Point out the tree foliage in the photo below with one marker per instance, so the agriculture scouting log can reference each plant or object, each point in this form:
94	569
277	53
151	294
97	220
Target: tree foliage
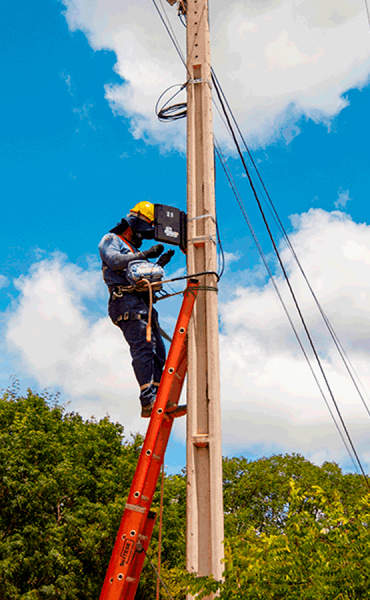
256	493
292	529
63	483
322	554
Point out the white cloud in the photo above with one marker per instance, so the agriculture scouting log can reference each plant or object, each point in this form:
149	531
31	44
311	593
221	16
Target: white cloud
284	54
269	399
278	61
84	113
4	281
63	346
67	79
231	257
343	199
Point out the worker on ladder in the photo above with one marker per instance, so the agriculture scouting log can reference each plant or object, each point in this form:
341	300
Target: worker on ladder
128	306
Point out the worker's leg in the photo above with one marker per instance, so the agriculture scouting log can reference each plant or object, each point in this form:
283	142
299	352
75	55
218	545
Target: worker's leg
146	363
148	358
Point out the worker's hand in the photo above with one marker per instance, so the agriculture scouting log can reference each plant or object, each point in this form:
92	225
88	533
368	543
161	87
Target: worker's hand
165	258
153	252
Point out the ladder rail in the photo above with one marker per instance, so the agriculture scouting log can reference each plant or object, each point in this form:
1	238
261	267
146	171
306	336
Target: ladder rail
130	587
124	568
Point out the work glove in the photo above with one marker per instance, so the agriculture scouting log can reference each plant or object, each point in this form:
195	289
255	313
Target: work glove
153	252
165	258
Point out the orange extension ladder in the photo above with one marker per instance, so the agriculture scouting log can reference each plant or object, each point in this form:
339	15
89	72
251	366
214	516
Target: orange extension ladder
138	520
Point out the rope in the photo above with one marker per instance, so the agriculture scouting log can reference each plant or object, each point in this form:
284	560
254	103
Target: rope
140	548
143	284
149	323
160	532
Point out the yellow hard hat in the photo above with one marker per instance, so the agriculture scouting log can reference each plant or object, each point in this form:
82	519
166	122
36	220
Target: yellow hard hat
144	210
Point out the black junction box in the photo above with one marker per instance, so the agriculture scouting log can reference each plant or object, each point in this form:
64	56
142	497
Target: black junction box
170	225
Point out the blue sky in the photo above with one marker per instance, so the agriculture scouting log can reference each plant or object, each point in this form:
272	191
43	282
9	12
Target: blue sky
80	145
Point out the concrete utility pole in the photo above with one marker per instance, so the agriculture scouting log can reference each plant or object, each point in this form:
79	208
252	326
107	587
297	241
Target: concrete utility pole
205	521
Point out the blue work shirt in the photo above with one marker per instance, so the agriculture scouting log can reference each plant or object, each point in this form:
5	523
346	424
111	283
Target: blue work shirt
129	311
116	254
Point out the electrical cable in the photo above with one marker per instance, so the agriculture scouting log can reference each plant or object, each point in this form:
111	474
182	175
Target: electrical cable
174	112
367	12
179	111
182	19
222	267
273	243
218	237
172	32
318	360
173	37
347	363
267	266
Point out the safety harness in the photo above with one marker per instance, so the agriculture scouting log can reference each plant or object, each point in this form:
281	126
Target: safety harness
143	286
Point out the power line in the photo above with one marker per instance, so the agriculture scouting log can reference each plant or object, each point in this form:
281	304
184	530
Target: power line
367	12
171	35
175	111
178	111
272	278
347	363
218	88
318	360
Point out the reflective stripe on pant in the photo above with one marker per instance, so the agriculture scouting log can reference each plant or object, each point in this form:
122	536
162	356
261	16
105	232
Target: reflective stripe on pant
148	358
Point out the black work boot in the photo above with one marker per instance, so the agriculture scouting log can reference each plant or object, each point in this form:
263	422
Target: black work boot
146	411
172	410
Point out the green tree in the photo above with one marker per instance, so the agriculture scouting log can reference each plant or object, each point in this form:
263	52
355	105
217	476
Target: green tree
256	493
63	485
321	553
293	530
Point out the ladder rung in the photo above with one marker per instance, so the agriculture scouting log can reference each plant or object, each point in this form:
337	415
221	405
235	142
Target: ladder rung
135	507
138	520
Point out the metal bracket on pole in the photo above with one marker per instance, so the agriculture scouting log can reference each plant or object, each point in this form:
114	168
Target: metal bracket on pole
203	217
200	80
200	440
199	241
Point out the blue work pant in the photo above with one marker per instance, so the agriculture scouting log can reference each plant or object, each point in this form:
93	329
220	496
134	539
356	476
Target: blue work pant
148	358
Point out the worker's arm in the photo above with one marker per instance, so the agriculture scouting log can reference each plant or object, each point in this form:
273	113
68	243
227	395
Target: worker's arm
118	256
